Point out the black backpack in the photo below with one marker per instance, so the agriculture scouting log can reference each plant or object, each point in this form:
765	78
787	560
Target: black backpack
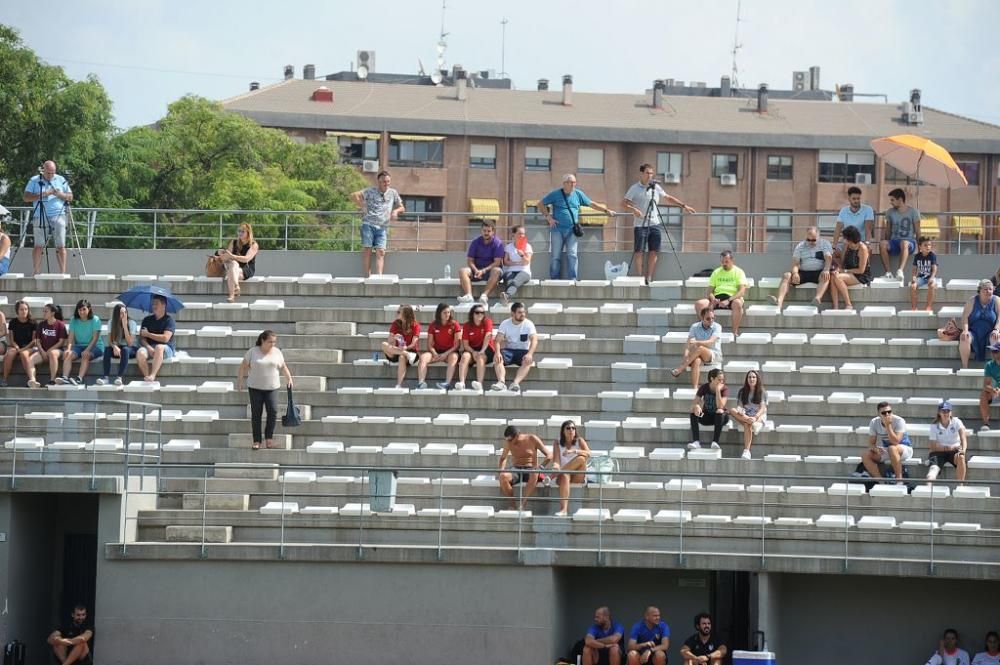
13	653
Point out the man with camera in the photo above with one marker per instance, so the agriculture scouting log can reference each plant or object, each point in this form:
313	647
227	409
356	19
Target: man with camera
642	199
50	192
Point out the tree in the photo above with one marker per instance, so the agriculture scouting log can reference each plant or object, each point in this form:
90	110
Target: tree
46	115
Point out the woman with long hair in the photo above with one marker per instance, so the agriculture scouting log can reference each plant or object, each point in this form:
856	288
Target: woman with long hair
20	342
751	408
570	453
260	367
401	347
239	260
443	338
123	342
990	655
948	443
49	342
84	342
477	346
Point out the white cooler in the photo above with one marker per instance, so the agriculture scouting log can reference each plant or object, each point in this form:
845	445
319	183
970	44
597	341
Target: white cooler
753	658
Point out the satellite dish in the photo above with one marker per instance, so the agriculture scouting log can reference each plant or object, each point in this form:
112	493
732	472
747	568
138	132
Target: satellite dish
436	78
362	72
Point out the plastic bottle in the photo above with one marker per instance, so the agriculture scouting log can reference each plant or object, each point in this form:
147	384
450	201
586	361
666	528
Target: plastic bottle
447	271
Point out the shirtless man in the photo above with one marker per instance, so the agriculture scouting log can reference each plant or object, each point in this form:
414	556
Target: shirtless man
523	450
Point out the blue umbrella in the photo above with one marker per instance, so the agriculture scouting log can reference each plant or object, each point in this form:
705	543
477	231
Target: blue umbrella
141	297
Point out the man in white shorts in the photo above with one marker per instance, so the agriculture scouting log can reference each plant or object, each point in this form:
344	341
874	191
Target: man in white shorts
888	443
704	346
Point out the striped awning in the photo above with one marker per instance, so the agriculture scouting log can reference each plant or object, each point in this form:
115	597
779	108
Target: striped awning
414	137
968	225
592	217
929	227
484	209
354	135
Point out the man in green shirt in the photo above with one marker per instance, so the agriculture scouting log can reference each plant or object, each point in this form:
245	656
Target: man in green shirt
726	288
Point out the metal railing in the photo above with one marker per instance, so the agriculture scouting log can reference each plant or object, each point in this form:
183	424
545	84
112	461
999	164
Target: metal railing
147	228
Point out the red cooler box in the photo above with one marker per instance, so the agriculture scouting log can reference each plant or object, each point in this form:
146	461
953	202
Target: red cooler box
753	658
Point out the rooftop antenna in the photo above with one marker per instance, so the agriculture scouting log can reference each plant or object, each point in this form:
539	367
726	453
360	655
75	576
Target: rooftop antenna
736	48
442	46
503	47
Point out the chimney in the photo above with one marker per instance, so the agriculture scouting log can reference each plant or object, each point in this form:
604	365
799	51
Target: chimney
668	82
309	72
322	94
567	98
762	98
254	85
725	87
543	84
461	84
659	87
845	93
289	72
814	78
915	99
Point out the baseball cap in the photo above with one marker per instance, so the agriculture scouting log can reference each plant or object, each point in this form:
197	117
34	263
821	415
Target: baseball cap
945	406
994	347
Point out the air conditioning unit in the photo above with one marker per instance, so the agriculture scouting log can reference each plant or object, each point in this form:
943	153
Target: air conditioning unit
671	178
366	59
915	118
862	178
369	166
799	81
727	179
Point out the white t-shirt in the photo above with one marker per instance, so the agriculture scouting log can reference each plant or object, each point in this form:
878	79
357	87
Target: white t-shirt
517	335
514	256
876	428
639	195
983	658
947	437
960	657
264	368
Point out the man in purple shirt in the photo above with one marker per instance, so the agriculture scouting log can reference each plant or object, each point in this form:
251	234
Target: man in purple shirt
484	257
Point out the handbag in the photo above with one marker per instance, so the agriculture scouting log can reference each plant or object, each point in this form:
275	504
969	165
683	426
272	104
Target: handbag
577	229
292	417
214	267
950	332
601	469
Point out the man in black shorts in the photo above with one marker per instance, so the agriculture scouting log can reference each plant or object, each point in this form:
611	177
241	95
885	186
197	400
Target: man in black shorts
71	643
523	451
811	261
704	646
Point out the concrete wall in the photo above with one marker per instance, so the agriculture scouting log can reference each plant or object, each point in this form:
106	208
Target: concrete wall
830	620
168	612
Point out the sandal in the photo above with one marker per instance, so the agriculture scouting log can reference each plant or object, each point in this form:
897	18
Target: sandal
231	299
674	373
269	443
255	445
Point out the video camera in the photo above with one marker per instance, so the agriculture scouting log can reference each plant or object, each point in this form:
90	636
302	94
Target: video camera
4	214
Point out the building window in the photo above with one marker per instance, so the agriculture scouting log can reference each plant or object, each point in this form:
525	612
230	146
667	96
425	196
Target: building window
971	171
672	218
590	160
723	229
423	208
724	165
483	156
405	152
537	158
669	166
894	176
356	150
779	167
826	224
779	230
846	166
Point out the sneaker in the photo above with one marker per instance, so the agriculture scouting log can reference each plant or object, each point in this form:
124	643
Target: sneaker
103	381
499	387
483	299
899	275
561	513
459	386
888	275
933	471
3	383
34	384
51	383
74	380
119	382
694	445
515	388
411	357
422	385
61	380
985	428
746	455
467	298
716	446
443	385
478	387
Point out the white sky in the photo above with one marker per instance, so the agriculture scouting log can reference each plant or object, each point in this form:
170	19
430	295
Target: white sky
150	52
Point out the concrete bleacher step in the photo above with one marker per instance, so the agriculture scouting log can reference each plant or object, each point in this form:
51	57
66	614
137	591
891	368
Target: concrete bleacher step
246	471
216	501
197	534
243	440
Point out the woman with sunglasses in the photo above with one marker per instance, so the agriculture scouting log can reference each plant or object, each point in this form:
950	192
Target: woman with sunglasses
239	260
477	346
570	453
401	347
751	409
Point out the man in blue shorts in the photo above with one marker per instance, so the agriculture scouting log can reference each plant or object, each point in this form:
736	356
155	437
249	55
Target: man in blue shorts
900	241
602	644
649	640
516	342
156	339
379	205
50	192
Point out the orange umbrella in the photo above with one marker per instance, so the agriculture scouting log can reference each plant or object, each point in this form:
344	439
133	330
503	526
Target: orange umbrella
920	158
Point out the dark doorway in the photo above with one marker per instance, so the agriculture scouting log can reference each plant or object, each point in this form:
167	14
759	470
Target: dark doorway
79	572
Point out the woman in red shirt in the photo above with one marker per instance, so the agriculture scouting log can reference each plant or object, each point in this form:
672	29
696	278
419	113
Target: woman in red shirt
477	345
401	347
443	338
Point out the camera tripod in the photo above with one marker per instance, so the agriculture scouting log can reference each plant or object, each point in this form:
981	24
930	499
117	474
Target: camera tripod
39	218
647	222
